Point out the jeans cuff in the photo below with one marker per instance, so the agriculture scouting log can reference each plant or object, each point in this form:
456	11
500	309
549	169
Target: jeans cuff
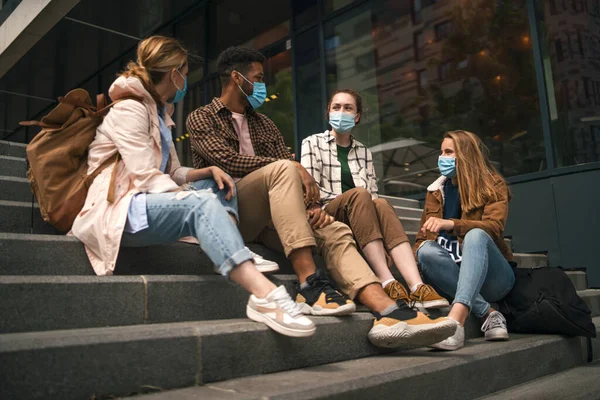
463	302
234	260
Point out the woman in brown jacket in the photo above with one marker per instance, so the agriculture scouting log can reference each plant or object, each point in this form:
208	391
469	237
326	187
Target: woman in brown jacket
460	246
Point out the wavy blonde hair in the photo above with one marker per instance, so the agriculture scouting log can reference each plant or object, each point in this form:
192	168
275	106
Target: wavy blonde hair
156	56
477	177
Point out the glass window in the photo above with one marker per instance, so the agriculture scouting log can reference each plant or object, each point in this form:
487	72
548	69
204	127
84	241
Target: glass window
305	12
279	105
334	5
310	108
417	17
575	79
469	65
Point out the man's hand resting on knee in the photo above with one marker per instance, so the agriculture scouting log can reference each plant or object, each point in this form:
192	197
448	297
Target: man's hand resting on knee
318	218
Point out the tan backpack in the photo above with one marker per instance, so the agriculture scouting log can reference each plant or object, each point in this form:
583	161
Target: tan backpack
58	157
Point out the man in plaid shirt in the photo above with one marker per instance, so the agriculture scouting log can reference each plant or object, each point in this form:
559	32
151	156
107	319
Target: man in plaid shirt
279	203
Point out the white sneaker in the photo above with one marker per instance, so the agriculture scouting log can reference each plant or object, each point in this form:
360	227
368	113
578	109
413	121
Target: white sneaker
454	342
263	265
494	327
279	312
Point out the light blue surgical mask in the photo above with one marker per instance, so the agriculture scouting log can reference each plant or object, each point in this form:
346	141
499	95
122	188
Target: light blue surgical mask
180	94
341	122
447	166
259	93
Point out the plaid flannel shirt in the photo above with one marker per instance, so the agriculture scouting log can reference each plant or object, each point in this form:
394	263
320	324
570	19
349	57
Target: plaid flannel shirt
215	142
319	157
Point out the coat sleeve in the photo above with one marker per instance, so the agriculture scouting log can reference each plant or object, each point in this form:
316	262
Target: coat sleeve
128	126
178	172
494	216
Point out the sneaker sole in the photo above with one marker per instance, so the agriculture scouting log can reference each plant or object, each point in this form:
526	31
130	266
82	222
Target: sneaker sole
432	304
497	337
404	335
330	312
447	347
276	326
267	269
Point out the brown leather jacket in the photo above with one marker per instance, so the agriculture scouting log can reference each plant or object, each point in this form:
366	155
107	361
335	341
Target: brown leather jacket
491	217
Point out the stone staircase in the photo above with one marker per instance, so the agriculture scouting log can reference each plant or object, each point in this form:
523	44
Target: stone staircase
166	321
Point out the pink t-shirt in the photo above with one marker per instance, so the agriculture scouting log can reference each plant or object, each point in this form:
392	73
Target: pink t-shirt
240	123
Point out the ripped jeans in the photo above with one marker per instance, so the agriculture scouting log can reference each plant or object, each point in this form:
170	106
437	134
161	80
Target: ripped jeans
203	214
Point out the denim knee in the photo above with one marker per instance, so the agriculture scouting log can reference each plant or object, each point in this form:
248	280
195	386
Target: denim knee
476	235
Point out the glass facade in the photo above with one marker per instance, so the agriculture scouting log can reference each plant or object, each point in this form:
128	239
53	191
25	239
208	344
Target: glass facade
522	74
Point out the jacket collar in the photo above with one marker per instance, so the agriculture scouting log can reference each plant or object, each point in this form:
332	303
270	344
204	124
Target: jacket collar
438	184
217	106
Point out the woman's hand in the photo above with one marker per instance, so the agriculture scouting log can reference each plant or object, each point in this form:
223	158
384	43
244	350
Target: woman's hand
436	225
224	181
318	218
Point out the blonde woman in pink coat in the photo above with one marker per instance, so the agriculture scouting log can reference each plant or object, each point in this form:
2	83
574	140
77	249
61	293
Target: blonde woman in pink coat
156	200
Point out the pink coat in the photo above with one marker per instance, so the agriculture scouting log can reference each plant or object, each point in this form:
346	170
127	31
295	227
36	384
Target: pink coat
132	129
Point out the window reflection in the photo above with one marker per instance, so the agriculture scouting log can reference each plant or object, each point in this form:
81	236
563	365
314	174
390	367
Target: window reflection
426	67
570	31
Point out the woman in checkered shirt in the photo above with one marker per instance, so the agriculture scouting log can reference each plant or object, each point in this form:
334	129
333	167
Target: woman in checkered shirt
343	169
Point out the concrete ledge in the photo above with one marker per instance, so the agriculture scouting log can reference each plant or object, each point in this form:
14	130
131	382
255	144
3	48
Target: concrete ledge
17	217
478	369
15	189
12	149
13	166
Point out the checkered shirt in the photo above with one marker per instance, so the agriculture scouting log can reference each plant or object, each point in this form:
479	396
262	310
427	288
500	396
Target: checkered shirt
319	157
214	140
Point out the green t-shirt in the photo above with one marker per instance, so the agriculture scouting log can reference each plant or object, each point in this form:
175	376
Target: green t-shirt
342	156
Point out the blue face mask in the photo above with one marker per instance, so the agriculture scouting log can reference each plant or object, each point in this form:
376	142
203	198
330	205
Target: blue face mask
447	166
180	92
341	122
259	93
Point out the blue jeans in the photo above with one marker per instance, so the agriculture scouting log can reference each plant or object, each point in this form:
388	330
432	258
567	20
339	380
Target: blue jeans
203	214
484	274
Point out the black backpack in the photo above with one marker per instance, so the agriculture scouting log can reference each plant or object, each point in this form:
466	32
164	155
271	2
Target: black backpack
544	300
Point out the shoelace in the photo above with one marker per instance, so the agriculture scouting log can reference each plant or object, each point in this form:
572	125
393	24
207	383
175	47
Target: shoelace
322	285
495	320
423	291
285	302
397	291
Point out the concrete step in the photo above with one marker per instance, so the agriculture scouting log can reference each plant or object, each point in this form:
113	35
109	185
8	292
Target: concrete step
12	149
527	260
81	363
65	255
579	383
402	202
579	279
17	216
41	303
408	212
70	302
478	369
15	189
411	224
13	166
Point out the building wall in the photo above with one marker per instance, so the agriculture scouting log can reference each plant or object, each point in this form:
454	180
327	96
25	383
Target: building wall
559	215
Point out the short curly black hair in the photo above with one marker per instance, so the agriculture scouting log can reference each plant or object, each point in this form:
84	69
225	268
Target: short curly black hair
237	58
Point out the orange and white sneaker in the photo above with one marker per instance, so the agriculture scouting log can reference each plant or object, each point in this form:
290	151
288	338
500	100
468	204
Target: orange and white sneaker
279	312
396	291
407	328
426	297
320	298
